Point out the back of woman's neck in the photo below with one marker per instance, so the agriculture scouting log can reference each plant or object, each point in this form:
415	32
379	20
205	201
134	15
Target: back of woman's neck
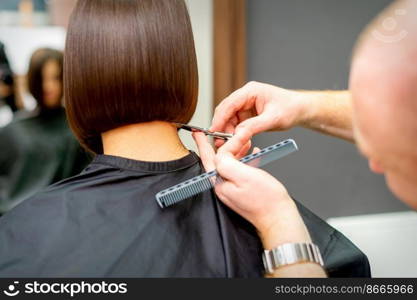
150	141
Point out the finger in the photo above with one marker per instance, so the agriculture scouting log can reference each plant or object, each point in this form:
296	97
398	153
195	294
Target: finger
244	115
235	144
230	128
229	107
227	193
255	162
235	120
244	150
224	191
256	124
205	150
219	142
234	171
256	150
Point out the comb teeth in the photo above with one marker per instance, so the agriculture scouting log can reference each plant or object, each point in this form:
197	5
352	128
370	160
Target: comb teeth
185	189
207	181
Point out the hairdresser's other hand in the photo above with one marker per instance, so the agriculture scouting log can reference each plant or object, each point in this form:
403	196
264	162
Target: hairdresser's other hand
255	195
258	107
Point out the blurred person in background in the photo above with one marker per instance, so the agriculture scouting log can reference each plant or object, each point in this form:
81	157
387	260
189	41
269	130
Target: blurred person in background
7	88
39	149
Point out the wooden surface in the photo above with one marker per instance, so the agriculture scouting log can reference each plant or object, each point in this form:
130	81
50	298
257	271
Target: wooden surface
229	47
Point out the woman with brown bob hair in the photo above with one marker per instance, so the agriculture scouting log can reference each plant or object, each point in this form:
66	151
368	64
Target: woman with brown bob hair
129	72
129	62
37	147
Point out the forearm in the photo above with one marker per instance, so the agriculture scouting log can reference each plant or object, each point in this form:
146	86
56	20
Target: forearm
289	228
329	112
301	270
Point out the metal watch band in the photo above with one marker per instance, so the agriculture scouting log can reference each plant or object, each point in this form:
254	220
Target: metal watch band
291	253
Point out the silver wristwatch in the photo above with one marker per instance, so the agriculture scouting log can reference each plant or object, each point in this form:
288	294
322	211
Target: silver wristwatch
292	253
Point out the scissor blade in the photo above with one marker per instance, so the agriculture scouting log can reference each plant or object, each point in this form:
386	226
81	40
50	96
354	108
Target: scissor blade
218	135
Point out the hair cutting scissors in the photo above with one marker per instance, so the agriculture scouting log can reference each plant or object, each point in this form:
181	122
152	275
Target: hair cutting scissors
216	135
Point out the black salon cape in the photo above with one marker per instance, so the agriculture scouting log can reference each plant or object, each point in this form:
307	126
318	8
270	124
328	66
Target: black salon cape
36	150
105	222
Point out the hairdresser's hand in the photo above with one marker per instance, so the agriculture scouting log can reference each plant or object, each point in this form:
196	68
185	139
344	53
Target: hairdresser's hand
258	107
254	194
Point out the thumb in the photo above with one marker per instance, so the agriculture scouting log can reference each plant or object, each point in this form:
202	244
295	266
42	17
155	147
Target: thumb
234	171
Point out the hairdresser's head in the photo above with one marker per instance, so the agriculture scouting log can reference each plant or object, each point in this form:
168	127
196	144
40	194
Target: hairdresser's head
128	62
45	78
384	88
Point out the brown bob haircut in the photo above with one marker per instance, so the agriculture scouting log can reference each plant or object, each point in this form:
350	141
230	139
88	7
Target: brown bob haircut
34	77
128	62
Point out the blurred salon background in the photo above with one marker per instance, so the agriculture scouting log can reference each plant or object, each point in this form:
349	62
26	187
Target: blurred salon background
297	44
36	146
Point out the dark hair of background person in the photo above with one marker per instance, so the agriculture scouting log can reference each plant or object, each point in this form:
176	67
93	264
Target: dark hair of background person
128	62
7	78
35	78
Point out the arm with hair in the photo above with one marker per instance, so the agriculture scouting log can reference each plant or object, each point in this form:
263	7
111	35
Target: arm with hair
301	270
259	107
291	230
329	112
287	227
